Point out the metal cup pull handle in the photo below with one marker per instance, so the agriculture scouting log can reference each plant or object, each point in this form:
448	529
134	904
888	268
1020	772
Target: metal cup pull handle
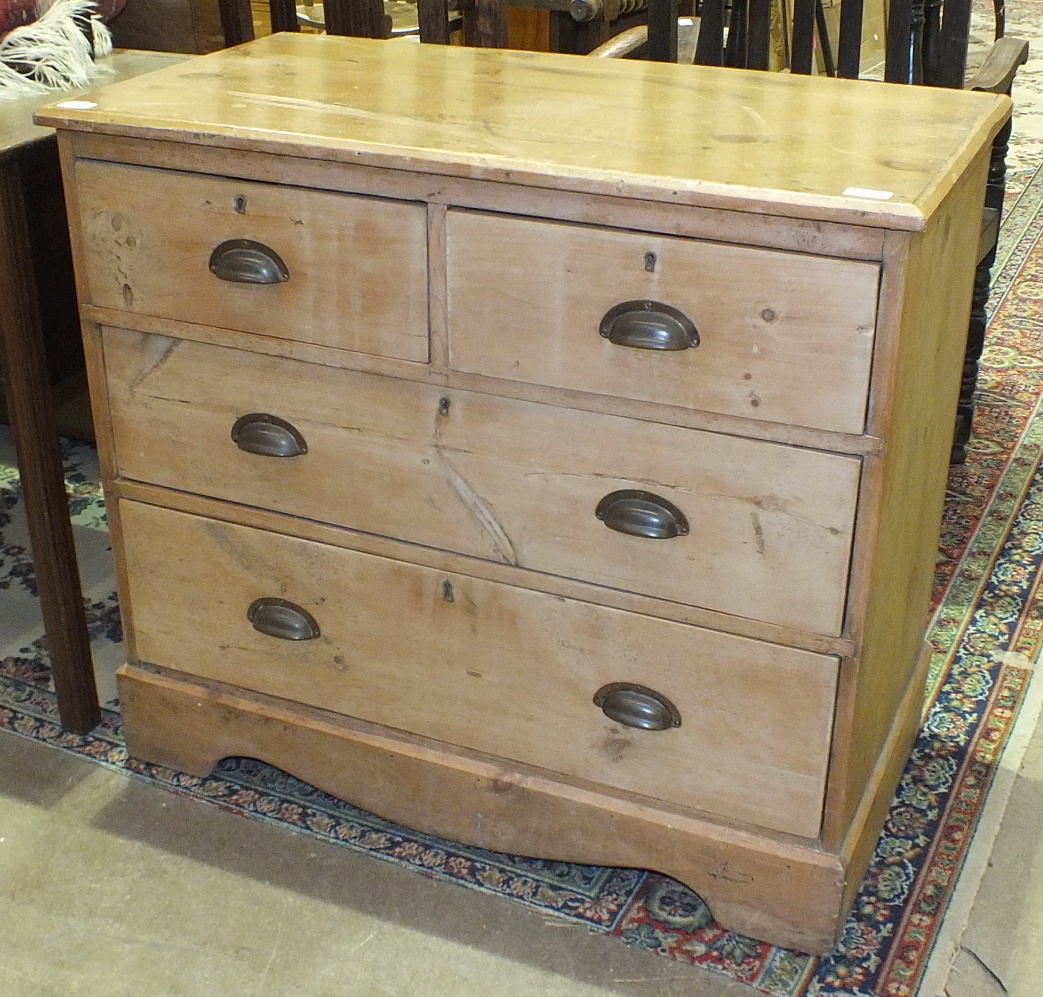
649	325
244	261
637	706
268	436
282	619
641	514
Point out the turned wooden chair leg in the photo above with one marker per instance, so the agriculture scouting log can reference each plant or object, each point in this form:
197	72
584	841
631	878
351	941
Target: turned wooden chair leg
979	303
972	359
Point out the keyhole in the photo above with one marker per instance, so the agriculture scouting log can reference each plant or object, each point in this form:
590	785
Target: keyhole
240	205
650	262
443	406
447	591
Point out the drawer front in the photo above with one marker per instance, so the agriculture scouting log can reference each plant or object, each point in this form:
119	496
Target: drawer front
782	337
356	266
768	527
504	671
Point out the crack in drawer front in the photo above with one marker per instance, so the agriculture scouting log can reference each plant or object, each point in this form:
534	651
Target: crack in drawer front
166	244
504	671
755	529
780	336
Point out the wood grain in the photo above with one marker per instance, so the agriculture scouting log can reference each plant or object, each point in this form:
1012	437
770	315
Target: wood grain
383	458
760	886
925	304
357	266
742	228
437	373
743	140
790	342
441	560
471	665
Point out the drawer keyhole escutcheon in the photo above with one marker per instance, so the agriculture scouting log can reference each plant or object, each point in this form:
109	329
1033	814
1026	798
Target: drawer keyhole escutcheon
240	205
637	706
650	261
267	436
244	261
448	595
642	514
649	325
281	619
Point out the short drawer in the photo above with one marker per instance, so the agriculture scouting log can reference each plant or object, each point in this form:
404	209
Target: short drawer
503	671
766	530
345	271
778	336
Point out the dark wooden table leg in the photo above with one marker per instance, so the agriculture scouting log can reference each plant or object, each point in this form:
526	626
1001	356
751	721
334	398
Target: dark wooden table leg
28	393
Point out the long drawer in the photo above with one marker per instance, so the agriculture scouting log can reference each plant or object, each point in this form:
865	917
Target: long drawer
335	269
473	663
776	336
763	530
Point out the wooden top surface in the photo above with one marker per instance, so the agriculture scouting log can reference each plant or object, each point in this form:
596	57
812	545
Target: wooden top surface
16	116
684	134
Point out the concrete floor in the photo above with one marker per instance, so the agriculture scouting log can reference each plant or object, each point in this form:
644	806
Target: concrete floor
110	886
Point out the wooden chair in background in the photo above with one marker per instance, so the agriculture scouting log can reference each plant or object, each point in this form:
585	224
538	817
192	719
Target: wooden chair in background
575	27
359	18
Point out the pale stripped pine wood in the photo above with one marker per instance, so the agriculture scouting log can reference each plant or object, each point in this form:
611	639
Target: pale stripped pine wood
95	368
783	337
357	265
925	304
382	458
823	238
857	848
738	140
437	373
437	312
493	677
778	890
442	560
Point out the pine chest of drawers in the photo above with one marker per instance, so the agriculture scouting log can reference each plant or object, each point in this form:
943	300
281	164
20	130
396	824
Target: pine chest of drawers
541	452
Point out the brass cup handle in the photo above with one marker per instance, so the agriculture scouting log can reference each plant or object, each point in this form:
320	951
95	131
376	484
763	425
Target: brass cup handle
637	706
244	261
267	436
282	619
641	514
649	325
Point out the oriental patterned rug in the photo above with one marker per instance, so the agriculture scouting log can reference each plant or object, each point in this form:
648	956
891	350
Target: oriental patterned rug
986	632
